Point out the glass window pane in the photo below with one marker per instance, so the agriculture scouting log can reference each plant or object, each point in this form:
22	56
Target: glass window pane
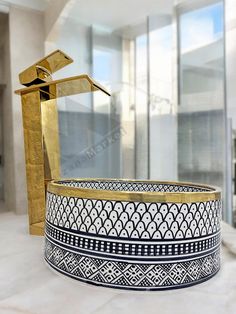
141	104
201	95
162	108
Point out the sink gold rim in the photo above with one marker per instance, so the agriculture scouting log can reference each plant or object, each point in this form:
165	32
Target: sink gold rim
58	188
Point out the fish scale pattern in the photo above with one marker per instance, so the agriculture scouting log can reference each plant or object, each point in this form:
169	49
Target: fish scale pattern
134	220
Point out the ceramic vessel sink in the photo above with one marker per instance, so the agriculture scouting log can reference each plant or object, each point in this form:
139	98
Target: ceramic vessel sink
141	235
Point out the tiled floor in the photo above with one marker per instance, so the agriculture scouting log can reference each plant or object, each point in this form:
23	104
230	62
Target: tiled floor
27	285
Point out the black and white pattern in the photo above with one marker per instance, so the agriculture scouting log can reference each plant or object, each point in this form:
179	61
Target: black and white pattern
133	245
134	220
139	275
132	249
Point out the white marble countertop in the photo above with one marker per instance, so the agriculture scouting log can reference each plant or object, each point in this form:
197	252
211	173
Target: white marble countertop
28	286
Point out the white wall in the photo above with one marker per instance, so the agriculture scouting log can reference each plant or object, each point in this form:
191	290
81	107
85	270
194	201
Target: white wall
26	43
8	174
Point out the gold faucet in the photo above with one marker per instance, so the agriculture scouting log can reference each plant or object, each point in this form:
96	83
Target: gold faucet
41	131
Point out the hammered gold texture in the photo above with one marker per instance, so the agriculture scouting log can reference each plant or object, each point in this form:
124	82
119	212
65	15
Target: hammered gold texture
170	197
51	145
51	63
66	87
41	129
34	157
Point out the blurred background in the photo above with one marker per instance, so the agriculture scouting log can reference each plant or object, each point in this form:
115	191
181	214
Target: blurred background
171	69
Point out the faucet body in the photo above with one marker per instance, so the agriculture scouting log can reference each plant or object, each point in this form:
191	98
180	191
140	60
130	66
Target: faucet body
41	128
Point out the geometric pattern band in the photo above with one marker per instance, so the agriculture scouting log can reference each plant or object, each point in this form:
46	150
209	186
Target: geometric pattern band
174	249
128	275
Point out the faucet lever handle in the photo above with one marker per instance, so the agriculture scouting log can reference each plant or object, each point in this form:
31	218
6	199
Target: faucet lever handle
41	71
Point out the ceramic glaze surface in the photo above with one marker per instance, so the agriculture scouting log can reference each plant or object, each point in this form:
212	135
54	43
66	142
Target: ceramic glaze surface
132	244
